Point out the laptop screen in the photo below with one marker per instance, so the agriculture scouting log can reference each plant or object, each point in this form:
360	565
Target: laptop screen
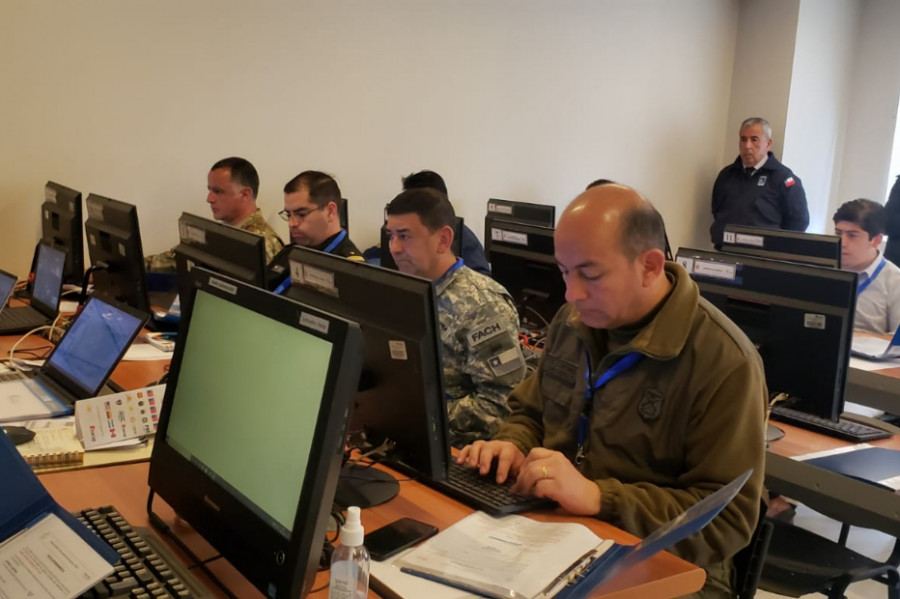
48	276
7	282
93	345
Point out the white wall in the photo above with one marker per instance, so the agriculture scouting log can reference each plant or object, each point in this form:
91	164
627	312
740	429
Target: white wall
824	53
872	112
518	99
763	67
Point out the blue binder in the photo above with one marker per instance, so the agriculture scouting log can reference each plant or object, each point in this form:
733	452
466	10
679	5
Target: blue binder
24	501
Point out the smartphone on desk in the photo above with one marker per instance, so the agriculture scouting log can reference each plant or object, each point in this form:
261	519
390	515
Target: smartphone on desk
393	538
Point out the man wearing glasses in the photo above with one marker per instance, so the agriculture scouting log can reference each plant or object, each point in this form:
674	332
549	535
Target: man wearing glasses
311	210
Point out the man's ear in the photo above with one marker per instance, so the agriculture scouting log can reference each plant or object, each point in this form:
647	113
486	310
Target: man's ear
876	241
653	264
331	210
445	239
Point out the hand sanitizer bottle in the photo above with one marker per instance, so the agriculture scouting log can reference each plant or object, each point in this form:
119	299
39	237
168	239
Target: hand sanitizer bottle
349	578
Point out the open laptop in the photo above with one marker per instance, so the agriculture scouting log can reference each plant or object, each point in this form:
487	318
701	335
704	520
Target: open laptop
7	284
78	367
44	305
876	348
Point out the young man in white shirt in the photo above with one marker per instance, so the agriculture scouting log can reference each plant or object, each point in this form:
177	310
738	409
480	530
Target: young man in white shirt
860	225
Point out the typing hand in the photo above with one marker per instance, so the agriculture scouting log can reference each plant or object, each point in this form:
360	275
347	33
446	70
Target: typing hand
548	473
481	454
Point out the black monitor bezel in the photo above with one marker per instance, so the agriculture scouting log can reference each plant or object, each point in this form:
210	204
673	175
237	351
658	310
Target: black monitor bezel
810	288
191	251
278	567
779	244
65	204
527	213
537	252
427	447
118	220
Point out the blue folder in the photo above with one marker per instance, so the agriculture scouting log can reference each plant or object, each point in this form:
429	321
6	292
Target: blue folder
24	501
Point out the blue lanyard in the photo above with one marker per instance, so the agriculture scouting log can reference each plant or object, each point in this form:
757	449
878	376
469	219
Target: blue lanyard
456	266
334	242
862	286
623	364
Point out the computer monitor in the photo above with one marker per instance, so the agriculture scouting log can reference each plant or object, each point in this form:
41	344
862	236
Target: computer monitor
400	394
522	261
61	226
387	260
218	247
793	246
117	257
251	432
541	215
800	317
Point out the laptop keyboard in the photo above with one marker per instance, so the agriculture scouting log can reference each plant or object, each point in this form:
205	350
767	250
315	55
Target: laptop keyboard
482	492
21	317
147	570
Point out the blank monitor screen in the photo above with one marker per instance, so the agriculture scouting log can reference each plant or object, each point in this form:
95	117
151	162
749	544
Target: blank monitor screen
800	318
792	246
522	260
61	225
251	435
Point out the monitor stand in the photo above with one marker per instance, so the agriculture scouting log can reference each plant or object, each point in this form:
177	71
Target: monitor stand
364	486
773	433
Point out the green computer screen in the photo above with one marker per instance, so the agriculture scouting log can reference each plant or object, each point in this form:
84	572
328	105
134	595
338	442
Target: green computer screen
247	402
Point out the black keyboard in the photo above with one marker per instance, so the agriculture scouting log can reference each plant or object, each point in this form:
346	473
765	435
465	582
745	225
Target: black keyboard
21	318
483	493
148	569
842	429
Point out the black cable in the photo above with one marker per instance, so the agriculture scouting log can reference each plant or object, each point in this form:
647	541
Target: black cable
87	277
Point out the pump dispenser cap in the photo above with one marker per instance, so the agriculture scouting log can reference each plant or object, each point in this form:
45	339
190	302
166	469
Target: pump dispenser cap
352	531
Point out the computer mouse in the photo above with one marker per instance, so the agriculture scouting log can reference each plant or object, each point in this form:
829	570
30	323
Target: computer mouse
18	434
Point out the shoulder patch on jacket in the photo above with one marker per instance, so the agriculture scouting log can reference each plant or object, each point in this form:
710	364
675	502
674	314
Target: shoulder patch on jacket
789	182
562	371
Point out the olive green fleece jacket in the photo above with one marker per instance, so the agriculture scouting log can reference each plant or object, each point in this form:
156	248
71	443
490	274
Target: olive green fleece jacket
682	422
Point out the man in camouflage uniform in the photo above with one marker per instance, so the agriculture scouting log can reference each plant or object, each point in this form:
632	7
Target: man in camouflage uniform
480	352
233	184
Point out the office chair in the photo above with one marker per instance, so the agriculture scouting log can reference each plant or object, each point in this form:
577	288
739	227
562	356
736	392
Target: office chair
799	561
748	562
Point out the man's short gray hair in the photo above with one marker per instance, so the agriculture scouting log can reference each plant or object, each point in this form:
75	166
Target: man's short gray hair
755	120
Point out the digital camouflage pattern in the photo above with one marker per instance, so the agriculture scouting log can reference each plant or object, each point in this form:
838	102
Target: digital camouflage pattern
480	352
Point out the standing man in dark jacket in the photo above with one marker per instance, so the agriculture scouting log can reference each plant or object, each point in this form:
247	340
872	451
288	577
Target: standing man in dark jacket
892	224
756	189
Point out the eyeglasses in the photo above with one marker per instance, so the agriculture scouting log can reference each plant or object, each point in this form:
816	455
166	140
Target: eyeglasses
300	215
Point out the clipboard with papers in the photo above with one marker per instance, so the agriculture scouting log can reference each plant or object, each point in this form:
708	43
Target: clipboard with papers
37	533
514	557
876	348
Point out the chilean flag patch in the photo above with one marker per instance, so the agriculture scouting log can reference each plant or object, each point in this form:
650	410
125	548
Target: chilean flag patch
789	182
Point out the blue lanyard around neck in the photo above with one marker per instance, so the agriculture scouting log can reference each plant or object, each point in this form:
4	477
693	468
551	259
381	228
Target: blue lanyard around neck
621	365
456	266
862	286
336	241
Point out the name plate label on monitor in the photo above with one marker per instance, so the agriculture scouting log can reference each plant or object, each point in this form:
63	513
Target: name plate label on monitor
50	194
509	236
95	211
191	234
321	279
499	208
754	240
814	321
708	268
